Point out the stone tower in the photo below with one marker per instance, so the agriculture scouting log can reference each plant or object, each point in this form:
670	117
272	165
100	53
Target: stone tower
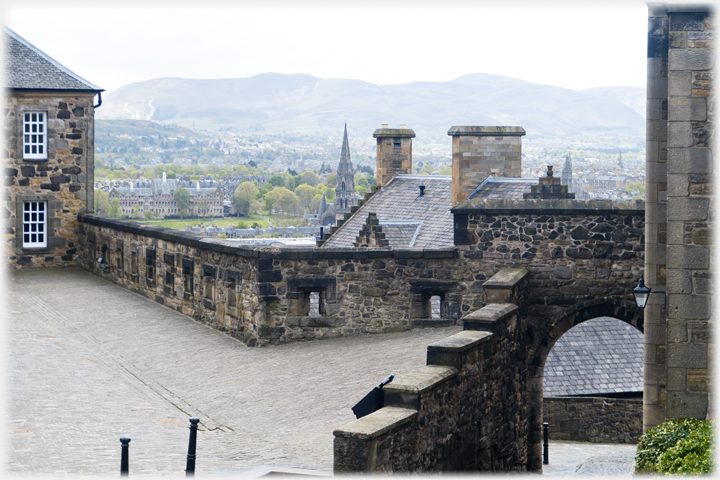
394	152
620	163
345	189
566	178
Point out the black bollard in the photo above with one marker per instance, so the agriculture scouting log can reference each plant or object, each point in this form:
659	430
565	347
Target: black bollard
124	458
190	467
546	458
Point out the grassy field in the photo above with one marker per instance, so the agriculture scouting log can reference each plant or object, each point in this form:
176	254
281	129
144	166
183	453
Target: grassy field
219	222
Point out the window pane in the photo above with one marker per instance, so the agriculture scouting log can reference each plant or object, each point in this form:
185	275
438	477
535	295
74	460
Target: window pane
34	127
34	217
26	227
27	117
27	216
40	149
33	238
27	127
41	238
26	238
40	128
41	217
34	117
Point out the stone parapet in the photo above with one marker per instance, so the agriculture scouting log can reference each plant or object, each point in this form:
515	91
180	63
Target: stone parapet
435	417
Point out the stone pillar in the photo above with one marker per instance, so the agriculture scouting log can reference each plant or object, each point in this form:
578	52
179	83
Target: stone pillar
478	152
394	152
689	181
655	215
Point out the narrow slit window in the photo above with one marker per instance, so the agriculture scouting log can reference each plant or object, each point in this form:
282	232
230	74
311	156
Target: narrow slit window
314	304
34	224
435	307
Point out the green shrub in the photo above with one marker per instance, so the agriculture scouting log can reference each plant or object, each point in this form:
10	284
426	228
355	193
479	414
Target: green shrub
677	446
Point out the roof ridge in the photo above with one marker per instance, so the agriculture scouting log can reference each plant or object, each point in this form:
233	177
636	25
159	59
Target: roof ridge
51	60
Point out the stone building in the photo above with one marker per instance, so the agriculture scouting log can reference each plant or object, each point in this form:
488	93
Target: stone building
49	145
394	152
345	190
157	197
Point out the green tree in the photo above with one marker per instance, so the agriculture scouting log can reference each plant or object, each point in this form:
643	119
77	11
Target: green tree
148	214
331	179
277	181
203	208
305	194
371	180
244	199
309	177
361	190
101	202
330	195
286	201
136	211
315	203
182	198
114	209
363	183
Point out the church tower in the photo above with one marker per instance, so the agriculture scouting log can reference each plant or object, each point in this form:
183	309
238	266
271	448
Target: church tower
345	189
566	178
620	162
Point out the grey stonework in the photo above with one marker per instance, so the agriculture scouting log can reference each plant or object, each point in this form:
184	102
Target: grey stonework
594	419
678	191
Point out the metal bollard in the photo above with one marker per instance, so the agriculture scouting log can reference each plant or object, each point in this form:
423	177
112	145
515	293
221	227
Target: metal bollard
124	460
546	458
190	467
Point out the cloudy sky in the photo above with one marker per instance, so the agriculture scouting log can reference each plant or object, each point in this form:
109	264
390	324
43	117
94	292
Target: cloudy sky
575	45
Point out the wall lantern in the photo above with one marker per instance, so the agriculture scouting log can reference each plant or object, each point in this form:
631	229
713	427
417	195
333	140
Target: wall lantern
642	293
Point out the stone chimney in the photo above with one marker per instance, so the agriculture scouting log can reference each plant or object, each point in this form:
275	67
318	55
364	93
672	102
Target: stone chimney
478	152
394	152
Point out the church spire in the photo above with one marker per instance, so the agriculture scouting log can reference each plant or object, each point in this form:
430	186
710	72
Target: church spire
345	163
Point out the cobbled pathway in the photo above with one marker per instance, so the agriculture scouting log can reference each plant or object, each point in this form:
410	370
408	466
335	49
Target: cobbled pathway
88	362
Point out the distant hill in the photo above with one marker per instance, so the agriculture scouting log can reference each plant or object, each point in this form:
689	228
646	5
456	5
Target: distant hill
633	97
302	103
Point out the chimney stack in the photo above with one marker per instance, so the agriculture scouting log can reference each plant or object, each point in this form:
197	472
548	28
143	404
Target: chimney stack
394	152
478	152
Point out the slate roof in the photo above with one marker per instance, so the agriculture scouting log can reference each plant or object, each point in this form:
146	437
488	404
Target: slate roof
501	187
401	235
400	199
602	355
28	68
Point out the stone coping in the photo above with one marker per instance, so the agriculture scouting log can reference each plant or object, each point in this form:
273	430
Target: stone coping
377	423
460	342
394	132
421	380
579	399
190	239
490	314
506	278
479	131
550	206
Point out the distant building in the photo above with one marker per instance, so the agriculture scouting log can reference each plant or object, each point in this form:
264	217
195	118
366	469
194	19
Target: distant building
157	197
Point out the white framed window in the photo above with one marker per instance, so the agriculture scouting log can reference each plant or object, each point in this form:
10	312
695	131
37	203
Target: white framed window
34	225
35	135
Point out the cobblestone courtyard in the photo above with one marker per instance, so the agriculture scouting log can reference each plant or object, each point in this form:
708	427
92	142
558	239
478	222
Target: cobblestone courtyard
88	362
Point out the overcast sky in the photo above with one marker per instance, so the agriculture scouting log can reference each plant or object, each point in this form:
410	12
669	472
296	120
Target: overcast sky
575	45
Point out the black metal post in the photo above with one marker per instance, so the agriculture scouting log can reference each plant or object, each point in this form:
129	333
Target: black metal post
124	459
190	467
546	458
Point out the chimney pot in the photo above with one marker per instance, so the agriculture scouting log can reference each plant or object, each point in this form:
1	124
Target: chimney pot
422	189
385	125
403	126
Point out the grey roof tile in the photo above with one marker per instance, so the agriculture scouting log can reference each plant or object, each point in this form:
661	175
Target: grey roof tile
501	187
27	67
398	201
602	355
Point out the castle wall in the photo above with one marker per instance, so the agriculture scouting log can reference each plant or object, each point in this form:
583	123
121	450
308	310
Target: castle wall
64	180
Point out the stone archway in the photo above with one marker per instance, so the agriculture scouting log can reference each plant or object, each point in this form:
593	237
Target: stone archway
541	344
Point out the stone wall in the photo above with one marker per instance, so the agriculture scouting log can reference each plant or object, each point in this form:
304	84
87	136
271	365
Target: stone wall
478	152
463	411
593	419
261	294
64	180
